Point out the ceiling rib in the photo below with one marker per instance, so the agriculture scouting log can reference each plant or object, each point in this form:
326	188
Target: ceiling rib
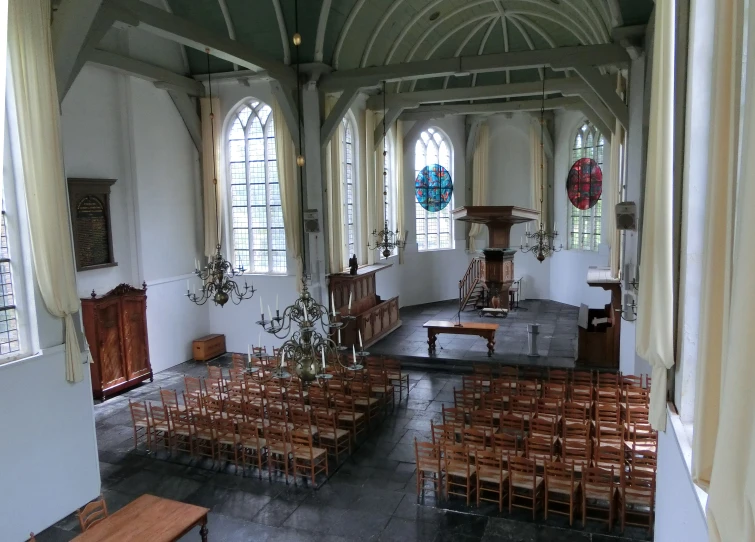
529	42
228	24
482	49
440	111
377	30
464	43
283	32
322	25
345	30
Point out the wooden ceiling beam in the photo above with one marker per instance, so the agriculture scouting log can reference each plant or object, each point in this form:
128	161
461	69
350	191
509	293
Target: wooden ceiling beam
440	111
70	27
592	55
190	34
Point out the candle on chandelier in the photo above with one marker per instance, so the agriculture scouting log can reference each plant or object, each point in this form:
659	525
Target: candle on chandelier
259	340
270	314
249	354
350	300
339	336
306	316
354	353
521	241
188	288
360	339
262	309
276	303
322	351
333	304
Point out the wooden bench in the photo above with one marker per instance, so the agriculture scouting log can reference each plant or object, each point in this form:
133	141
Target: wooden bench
436	327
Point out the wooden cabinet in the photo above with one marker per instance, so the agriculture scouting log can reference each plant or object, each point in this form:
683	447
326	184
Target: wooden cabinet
208	347
116	329
375	317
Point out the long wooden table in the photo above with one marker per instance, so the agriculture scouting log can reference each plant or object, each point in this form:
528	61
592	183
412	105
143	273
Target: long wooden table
484	330
149	518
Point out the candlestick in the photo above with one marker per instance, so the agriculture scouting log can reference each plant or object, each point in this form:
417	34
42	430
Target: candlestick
360	339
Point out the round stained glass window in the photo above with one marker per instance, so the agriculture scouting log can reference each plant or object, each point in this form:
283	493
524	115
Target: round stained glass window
434	187
584	185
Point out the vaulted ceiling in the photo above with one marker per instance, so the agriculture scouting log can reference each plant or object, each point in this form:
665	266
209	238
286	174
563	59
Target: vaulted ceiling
361	33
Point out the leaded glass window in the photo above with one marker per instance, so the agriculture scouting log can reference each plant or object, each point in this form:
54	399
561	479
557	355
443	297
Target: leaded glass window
434	229
584	224
348	143
9	342
259	237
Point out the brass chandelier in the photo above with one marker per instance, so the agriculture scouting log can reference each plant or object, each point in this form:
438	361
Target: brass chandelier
217	276
543	242
386	239
305	325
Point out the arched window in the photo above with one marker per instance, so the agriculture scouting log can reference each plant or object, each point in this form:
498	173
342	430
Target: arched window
391	192
348	147
259	238
434	229
584	224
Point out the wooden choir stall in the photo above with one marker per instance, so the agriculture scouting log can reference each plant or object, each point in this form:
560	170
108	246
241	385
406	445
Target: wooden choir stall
375	318
115	326
599	338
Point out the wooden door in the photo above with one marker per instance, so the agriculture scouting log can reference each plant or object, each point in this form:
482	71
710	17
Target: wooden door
135	335
112	368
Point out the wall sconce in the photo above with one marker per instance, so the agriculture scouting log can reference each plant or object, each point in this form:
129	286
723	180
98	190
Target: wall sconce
628	310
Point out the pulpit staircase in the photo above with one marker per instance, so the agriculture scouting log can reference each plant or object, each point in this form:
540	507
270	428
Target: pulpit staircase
472	285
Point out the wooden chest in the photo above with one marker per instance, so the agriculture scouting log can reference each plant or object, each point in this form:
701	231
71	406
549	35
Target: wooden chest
208	347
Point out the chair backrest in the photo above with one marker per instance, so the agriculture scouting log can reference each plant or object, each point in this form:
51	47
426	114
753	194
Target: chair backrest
610	455
193	385
638	414
465	399
631	381
472	437
301	418
215	386
213	404
527	388
641	484
181	419
193	402
549	406
503	386
275	432
457	456
253	411
582	378
522	404
203	423
511	424
325	421
543	427
575	411
234	408
504	442
92	513
453	415
427	455
539	447
521	469
644	460
169	398
215	372
482	418
239	361
554	390
560	473
607	412
491	461
609	432
573	451
236	374
582	393
599	481
302	441
225	427
159	415
249	433
277	413
576	430
606	378
558	376
139	412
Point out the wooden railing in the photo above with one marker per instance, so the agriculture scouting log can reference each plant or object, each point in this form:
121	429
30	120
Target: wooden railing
474	275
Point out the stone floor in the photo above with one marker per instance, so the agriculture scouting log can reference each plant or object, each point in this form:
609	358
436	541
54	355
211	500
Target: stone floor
370	496
556	341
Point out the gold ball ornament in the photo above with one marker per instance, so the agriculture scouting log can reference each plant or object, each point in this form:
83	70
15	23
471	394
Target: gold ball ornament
297	39
300	160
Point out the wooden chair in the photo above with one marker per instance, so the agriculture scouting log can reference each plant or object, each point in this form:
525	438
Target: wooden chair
637	499
228	441
214	404
454	416
609	434
525	486
307	458
279	448
460	473
234	410
428	458
302	421
215	387
522	406
466	400
631	381
205	436
215	372
529	388
162	428
582	394
277	413
541	450
554	390
194	404
598	495
562	490
475	440
395	376
443	434
608	379
253	447
576	412
239	361
141	424
608	394
482	419
92	513
512	424
183	430
506	445
335	439
382	388
492	480
582	378
577	455
545	428
643	460
348	417
364	402
607	412
578	432
558	376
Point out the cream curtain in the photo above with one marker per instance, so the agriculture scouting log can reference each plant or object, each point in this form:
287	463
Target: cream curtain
719	234
479	178
613	236
38	113
732	481
335	198
370	171
655	312
212	220
362	217
537	156
397	132
288	177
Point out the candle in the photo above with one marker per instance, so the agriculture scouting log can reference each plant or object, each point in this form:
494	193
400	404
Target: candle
276	303
306	316
333	303
360	339
339	336
259	340
187	285
196	263
322	351
270	314
262	310
350	300
354	353
249	354
521	241
554	225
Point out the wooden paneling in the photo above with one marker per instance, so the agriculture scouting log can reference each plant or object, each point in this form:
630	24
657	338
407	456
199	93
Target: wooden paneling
116	329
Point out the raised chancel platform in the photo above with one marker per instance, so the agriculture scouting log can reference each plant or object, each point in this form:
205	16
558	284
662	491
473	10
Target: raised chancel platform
556	342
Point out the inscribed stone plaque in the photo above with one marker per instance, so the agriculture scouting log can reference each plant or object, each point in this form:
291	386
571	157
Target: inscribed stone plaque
90	217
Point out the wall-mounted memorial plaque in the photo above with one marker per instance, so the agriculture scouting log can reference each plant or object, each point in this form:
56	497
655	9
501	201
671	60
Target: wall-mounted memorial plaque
90	218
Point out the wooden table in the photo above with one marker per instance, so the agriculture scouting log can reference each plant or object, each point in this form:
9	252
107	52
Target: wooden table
149	518
436	327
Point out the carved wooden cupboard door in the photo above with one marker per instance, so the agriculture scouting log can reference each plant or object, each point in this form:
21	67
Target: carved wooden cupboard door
108	343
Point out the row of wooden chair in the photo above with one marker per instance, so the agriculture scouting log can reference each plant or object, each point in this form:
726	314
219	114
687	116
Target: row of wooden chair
501	475
566	376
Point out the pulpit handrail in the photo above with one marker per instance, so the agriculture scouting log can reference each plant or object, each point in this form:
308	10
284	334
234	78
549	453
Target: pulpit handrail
475	273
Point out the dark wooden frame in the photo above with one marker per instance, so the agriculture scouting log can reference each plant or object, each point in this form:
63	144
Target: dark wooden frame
79	189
